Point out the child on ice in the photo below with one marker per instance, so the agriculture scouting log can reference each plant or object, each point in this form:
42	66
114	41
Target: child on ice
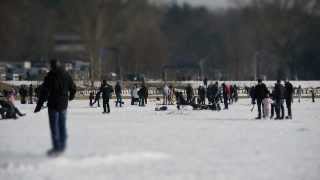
266	103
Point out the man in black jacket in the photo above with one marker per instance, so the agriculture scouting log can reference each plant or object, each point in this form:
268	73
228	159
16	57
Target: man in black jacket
23	94
288	95
260	92
30	94
118	92
57	88
201	95
106	90
225	95
142	94
278	95
189	92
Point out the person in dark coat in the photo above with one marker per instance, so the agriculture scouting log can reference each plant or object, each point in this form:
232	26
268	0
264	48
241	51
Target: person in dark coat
118	92
288	95
313	95
235	93
189	92
260	92
58	88
231	94
37	92
91	98
214	93
97	98
30	94
141	93
251	93
299	93
202	95
273	104
146	94
106	90
279	99
225	94
23	94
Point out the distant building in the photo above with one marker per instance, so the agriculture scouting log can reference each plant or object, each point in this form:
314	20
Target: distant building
69	46
70	49
14	71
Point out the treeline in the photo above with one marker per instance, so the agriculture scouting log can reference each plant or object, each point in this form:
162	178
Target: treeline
262	38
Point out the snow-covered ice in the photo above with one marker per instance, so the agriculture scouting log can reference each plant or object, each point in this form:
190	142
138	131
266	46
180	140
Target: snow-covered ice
136	143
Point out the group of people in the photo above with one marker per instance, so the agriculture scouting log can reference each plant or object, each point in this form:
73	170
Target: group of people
138	95
269	102
27	94
58	88
206	96
106	91
8	110
168	93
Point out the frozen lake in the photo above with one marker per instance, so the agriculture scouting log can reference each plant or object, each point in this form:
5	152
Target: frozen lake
136	143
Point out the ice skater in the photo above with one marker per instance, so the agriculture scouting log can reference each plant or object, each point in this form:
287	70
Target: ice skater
189	92
91	98
106	90
260	92
165	94
225	93
97	98
58	88
299	92
23	94
201	95
142	94
288	95
278	97
313	95
30	94
118	92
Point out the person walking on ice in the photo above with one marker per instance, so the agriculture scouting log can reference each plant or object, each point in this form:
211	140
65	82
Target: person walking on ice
58	88
313	95
288	95
279	100
260	92
299	93
106	90
118	92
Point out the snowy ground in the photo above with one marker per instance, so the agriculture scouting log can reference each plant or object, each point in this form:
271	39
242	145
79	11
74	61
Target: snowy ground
135	143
